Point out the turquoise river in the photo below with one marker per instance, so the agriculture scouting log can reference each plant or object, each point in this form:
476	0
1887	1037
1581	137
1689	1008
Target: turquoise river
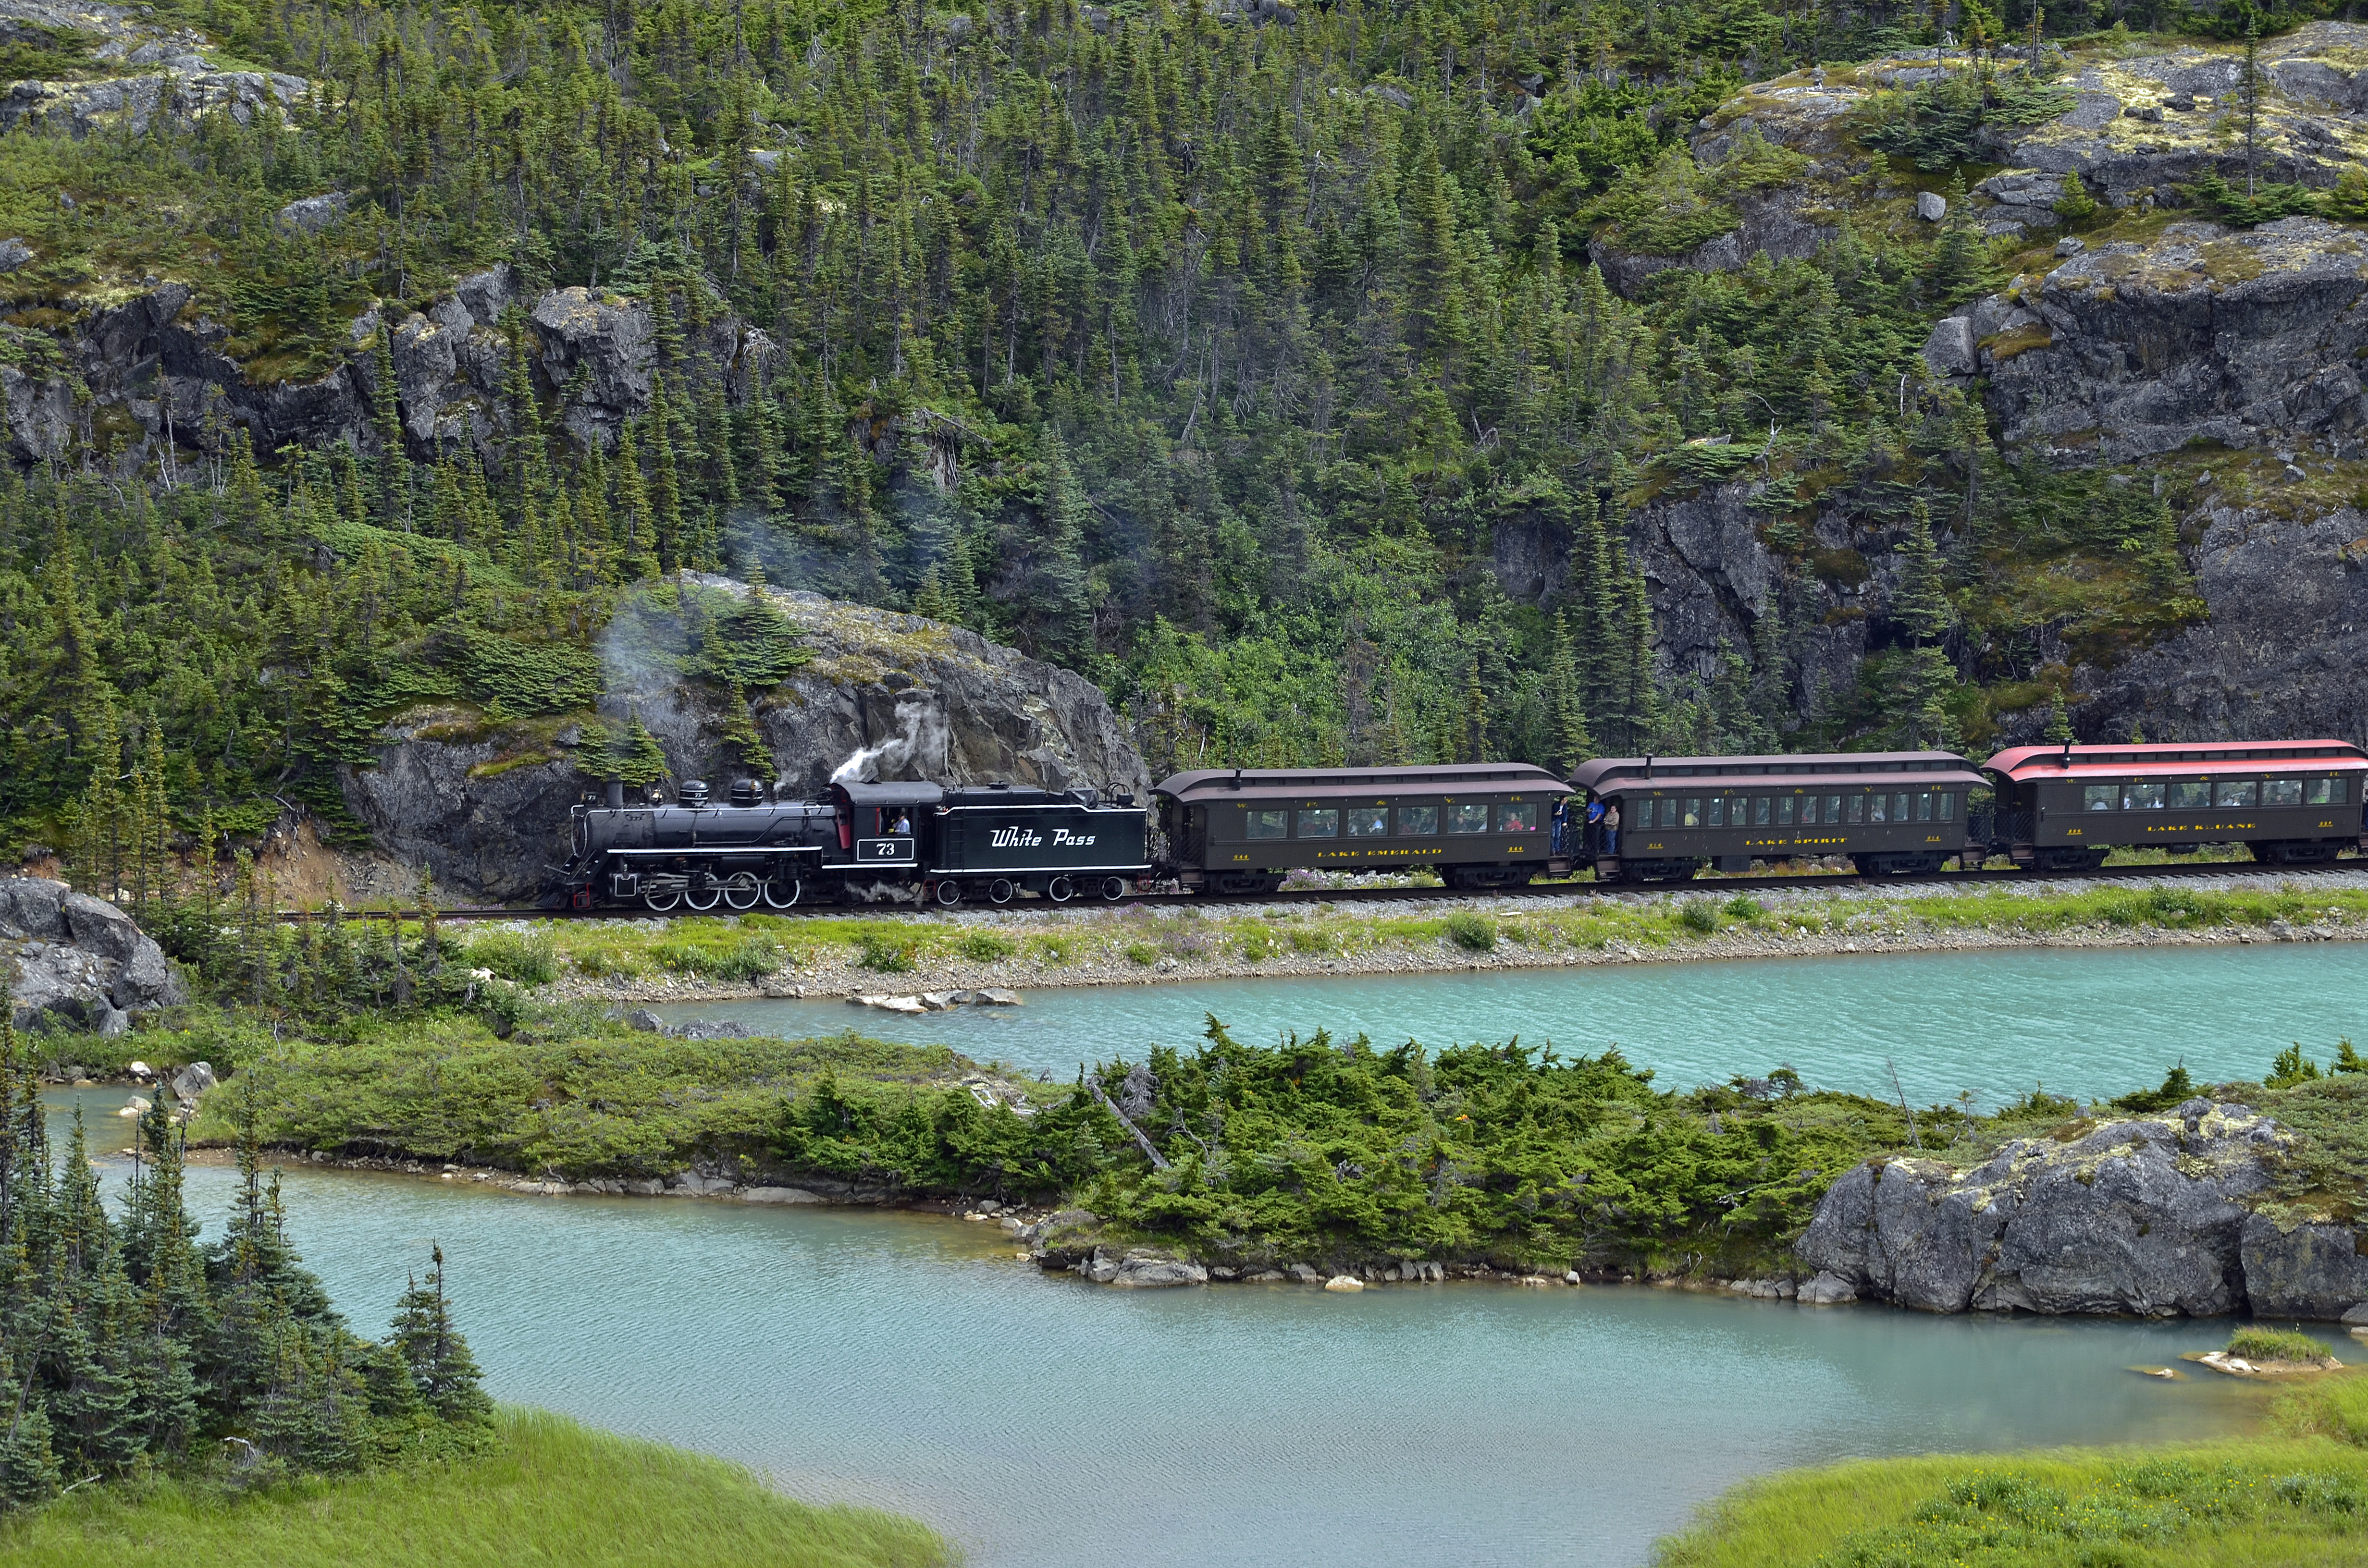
915	1363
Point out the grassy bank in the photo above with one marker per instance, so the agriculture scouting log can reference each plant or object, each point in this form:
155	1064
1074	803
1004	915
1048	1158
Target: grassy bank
2295	1496
882	952
551	1492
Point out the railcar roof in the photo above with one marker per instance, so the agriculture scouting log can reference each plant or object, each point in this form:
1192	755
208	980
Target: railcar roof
1292	783
900	793
1855	768
2176	760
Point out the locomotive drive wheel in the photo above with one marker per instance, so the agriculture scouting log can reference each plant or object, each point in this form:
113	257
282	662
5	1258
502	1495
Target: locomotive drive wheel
706	898
661	902
781	894
742	891
1062	890
950	893
1000	891
1113	887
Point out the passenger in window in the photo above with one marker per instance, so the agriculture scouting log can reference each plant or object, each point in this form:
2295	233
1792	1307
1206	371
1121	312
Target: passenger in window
2142	797
1898	808
1321	822
2192	795
1418	821
1858	810
1269	824
1469	817
904	825
2099	797
2322	792
1369	821
1809	808
1693	813
2282	793
2234	792
1521	816
1877	813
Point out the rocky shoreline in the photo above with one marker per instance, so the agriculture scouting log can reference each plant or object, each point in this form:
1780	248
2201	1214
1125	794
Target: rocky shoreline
826	976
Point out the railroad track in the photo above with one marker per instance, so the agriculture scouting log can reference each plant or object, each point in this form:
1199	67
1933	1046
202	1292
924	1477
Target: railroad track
1724	886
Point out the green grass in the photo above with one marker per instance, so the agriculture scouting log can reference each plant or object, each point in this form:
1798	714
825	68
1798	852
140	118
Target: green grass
524	957
2256	1343
2296	1498
556	1494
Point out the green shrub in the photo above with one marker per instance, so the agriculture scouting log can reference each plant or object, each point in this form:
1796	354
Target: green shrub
1142	953
606	964
737	956
2176	1089
1256	943
1054	950
2256	1343
885	952
1744	908
985	947
1473	933
1699	916
523	957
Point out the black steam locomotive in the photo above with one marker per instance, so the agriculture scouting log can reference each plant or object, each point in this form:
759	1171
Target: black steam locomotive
862	843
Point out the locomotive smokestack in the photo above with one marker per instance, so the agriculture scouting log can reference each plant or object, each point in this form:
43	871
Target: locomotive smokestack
616	794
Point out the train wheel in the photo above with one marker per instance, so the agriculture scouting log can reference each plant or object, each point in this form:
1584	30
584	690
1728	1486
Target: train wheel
661	902
706	898
1113	887
781	893
950	893
1060	891
742	891
1000	891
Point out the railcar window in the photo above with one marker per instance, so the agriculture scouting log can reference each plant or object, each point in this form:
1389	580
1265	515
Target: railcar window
1269	824
2234	792
1369	821
1670	812
1833	809
1879	813
2282	793
1717	812
1924	806
1322	822
1808	808
1422	821
2099	797
1898	808
1470	817
1783	811
1693	813
2192	795
1521	816
2322	791
1858	808
1760	811
2142	797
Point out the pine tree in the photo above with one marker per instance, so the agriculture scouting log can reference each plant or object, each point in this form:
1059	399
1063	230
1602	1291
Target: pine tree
1067	612
424	1336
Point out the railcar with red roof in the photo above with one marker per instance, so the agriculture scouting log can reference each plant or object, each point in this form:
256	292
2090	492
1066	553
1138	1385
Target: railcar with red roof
2062	808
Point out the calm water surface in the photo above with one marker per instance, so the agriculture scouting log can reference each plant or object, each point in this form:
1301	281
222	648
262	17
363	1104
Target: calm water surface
915	1364
1995	1023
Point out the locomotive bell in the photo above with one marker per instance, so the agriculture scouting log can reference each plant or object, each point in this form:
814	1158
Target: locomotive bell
693	792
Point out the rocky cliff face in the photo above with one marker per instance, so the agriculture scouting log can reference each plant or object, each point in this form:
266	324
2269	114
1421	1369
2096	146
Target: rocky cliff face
2149	1215
485	808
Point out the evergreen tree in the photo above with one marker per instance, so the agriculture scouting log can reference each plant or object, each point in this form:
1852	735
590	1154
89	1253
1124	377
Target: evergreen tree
424	1335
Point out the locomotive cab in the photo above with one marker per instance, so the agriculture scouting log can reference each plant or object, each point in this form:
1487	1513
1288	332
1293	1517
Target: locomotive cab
882	825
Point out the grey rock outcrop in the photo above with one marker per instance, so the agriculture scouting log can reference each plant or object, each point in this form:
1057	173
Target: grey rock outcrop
2304	1270
14	253
2148	1215
311	214
486	811
1142	1268
73	961
2244	337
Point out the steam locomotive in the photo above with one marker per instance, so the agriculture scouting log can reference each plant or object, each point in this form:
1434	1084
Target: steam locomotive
861	843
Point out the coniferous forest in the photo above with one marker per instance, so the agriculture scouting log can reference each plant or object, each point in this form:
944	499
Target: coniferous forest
128	1350
1204	348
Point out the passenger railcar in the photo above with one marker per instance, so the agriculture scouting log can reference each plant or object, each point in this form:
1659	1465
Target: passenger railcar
1666	818
2294	802
1481	825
